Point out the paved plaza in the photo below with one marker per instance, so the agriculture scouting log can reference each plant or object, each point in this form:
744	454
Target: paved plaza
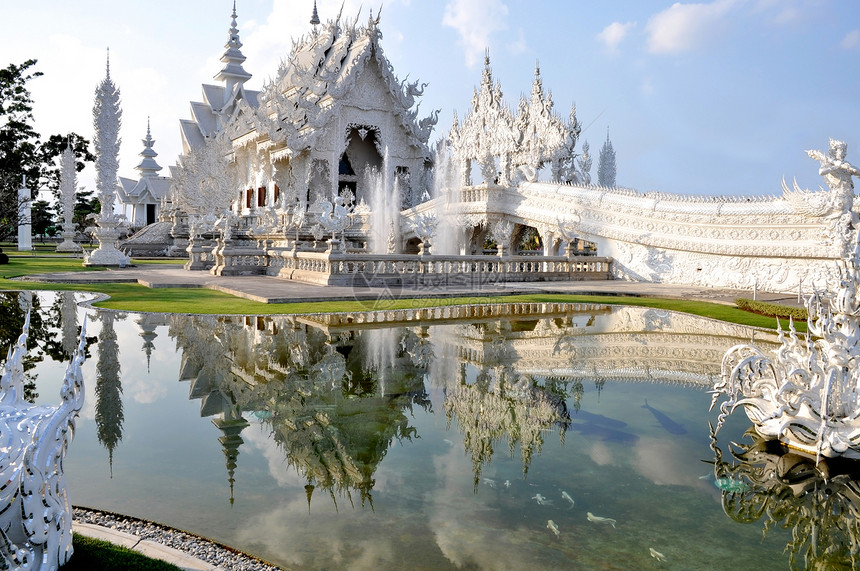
276	290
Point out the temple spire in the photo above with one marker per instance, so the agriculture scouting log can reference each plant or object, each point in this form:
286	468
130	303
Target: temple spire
233	74
315	17
147	165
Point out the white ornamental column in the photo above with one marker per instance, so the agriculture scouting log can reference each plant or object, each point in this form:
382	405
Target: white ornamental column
106	116
68	183
25	228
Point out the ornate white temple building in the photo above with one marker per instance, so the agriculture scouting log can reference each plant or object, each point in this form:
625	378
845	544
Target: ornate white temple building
334	109
141	199
326	175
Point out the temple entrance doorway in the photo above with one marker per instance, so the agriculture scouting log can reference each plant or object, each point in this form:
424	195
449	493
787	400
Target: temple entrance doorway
361	154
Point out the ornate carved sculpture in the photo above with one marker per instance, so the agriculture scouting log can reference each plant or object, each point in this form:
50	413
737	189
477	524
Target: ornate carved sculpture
542	136
68	182
503	231
106	116
487	132
424	226
606	164
834	205
837	172
36	517
808	396
205	180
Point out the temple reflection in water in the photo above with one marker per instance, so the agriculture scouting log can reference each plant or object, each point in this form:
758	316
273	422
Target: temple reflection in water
336	390
448	436
820	504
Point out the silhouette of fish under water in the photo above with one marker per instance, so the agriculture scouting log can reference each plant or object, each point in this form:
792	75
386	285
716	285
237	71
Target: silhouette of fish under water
583	414
667	423
605	433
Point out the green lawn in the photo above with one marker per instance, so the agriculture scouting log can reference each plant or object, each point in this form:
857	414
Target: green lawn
133	297
96	555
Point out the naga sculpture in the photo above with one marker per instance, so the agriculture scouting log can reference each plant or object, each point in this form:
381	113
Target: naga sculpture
36	515
808	397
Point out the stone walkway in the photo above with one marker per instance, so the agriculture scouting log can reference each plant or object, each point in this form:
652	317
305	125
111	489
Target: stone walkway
275	290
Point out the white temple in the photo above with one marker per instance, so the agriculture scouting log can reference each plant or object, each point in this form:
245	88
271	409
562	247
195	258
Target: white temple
328	177
141	199
334	109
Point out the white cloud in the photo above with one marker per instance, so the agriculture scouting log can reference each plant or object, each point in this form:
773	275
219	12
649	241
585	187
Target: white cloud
613	34
519	46
474	21
684	27
647	86
851	40
787	15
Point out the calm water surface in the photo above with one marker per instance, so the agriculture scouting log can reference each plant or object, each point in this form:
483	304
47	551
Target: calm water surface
315	443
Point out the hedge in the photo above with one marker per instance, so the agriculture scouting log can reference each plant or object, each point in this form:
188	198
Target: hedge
772	309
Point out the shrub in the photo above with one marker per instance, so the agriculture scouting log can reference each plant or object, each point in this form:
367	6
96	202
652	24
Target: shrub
772	309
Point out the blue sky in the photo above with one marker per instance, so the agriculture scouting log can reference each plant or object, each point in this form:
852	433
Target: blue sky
718	97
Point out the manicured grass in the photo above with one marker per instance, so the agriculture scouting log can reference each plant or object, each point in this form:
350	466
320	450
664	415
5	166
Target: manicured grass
96	555
133	297
27	265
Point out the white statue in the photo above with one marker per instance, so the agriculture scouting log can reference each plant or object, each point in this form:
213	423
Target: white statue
36	519
837	172
334	216
834	206
424	226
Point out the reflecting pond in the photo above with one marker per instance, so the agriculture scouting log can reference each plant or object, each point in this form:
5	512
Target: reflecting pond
492	437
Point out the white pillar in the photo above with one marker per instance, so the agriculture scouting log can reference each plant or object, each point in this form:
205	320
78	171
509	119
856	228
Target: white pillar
25	231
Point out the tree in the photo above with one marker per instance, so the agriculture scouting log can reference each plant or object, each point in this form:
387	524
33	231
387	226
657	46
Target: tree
19	143
85	204
205	180
606	164
42	218
53	148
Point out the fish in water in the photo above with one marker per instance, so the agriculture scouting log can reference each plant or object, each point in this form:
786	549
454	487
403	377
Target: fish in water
566	496
597	519
656	554
604	433
490	482
731	485
584	415
667	423
541	500
507	483
552	527
448	442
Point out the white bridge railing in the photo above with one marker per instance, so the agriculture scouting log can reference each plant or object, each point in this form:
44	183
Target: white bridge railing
335	268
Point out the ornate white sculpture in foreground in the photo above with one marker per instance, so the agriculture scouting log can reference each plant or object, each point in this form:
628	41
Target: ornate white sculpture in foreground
106	116
809	395
36	515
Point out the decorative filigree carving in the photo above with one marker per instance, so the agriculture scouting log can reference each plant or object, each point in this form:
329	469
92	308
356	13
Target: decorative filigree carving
36	522
808	396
